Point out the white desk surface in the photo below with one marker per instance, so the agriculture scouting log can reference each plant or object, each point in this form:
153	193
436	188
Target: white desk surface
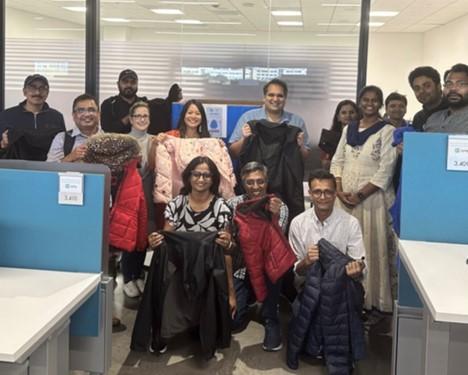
440	273
33	301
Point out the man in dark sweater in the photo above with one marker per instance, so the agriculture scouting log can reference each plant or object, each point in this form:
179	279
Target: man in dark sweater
32	124
114	110
425	82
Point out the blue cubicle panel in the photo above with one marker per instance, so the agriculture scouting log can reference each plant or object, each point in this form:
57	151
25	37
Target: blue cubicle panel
434	200
233	114
39	233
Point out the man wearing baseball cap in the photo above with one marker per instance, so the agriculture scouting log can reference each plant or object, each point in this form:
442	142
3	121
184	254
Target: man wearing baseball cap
114	110
32	119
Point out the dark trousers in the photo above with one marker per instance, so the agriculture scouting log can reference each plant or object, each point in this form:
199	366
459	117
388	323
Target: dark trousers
131	265
245	294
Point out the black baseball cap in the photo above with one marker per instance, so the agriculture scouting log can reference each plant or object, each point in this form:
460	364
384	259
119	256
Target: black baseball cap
127	73
36	77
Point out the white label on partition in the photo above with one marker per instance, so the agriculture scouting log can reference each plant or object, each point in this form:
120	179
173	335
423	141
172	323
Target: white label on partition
216	115
71	188
457	153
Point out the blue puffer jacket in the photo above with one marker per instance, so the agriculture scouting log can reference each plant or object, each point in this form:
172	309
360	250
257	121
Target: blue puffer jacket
327	315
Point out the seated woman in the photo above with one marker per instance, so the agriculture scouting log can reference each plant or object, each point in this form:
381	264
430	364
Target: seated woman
200	209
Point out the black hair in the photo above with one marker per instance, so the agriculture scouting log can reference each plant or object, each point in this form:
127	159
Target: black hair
187	174
321	174
83	97
371	88
427	71
395	96
457	68
276	81
202	128
337	125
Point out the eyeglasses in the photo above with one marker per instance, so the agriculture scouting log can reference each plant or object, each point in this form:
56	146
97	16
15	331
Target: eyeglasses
252	182
326	193
41	89
141	117
197	175
458	84
81	110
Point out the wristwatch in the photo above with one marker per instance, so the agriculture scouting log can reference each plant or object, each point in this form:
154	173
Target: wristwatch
361	196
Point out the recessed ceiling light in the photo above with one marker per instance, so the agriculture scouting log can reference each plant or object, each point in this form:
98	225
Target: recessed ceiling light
383	13
335	24
340	5
373	24
188	2
167	11
338	35
76	9
290	23
197	33
286	13
113	19
189	22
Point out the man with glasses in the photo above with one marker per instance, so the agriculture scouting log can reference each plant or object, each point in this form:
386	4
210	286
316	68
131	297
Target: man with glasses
454	119
326	221
255	182
114	110
70	146
32	116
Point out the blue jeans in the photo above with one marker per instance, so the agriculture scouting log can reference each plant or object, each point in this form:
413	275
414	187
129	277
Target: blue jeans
244	294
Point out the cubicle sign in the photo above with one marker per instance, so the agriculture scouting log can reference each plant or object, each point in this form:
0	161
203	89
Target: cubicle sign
71	188
216	115
457	153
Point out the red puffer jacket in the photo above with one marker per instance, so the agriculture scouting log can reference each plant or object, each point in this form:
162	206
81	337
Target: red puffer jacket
128	216
266	250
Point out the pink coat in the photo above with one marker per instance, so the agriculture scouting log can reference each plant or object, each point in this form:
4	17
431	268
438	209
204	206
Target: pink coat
174	154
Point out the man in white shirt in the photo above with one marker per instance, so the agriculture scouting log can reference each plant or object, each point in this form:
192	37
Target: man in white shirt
324	220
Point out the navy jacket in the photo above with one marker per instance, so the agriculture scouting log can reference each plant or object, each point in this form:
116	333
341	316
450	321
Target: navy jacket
327	314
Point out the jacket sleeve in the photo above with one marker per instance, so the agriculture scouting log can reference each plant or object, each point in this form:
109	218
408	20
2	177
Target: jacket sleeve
109	124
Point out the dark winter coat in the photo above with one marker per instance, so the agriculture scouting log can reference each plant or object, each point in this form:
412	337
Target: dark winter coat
201	262
275	145
327	314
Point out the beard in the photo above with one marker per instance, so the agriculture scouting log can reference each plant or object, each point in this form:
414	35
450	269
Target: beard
128	92
457	101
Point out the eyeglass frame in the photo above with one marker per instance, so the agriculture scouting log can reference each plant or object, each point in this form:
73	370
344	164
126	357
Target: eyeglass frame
196	175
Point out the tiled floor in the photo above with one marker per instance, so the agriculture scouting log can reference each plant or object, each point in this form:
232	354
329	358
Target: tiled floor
245	356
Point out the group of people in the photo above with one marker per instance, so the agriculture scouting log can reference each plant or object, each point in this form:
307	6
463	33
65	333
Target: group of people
186	184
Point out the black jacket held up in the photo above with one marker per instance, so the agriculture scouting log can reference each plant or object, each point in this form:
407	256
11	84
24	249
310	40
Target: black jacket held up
201	262
327	314
275	145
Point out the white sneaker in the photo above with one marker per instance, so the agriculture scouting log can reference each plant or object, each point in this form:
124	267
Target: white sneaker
140	283
131	290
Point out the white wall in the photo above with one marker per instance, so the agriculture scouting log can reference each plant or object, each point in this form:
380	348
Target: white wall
391	57
447	45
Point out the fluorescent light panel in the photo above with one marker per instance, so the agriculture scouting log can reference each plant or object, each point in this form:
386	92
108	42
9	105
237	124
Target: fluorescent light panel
114	19
290	23
340	5
167	11
202	33
383	13
188	21
76	9
286	13
188	2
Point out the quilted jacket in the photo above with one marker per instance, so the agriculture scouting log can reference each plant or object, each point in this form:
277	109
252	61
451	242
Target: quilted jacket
265	248
128	216
327	315
174	154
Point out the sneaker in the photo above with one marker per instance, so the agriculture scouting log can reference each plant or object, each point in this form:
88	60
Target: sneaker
272	341
131	290
162	348
140	283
